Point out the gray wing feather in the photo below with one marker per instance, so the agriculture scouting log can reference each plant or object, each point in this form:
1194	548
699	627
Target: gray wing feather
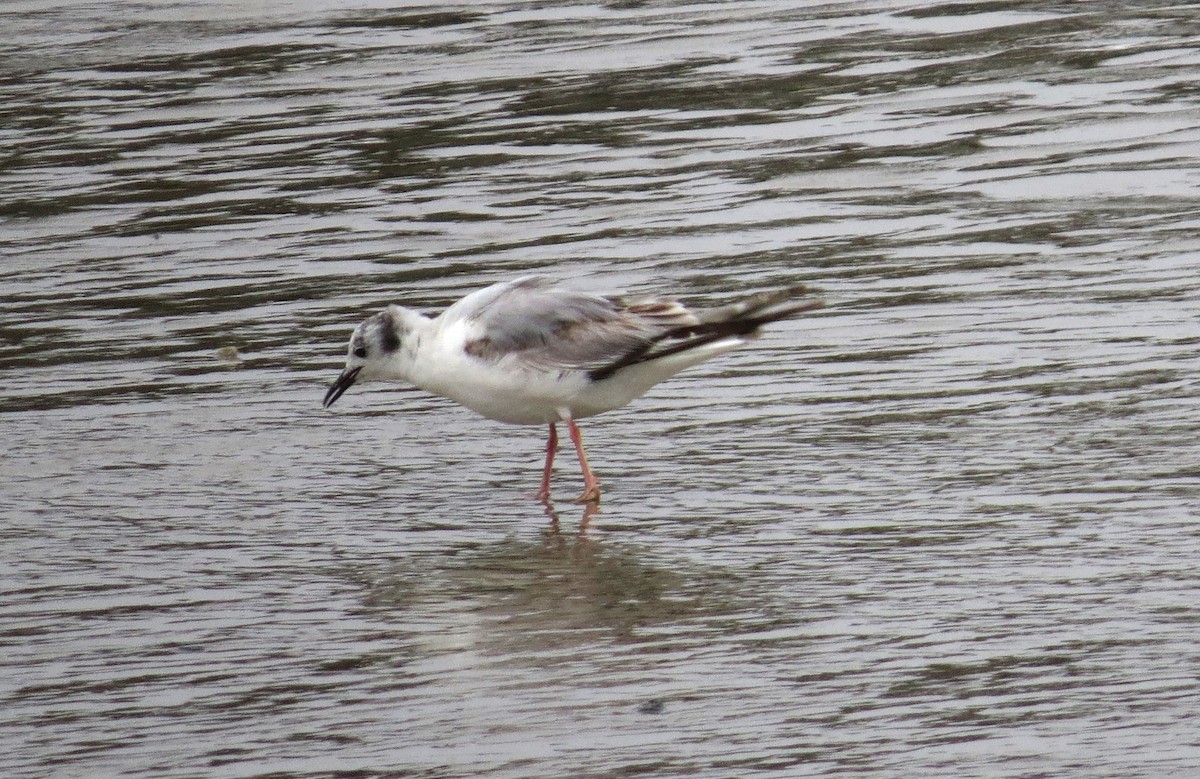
554	328
532	324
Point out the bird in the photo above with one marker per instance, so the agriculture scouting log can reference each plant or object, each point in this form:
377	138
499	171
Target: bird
530	352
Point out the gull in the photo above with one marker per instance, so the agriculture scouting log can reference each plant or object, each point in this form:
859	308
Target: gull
527	352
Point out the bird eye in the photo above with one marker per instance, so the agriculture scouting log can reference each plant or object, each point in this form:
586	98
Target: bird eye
360	352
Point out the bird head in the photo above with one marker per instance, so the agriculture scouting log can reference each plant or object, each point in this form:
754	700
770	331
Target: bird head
374	351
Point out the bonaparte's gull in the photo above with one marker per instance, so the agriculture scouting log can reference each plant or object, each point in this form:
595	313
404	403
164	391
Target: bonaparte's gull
528	353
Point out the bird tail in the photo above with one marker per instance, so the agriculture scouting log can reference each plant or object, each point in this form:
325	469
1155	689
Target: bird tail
759	309
740	319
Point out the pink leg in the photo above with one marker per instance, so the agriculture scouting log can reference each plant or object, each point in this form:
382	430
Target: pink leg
591	485
551	447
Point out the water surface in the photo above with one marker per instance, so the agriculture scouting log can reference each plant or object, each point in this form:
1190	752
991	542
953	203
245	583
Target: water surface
944	527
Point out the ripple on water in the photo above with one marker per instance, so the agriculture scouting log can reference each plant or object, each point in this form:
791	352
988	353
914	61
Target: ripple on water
942	526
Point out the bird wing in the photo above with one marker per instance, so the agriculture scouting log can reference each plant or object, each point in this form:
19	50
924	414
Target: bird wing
528	322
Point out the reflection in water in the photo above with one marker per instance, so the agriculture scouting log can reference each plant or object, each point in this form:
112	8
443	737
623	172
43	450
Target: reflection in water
588	510
564	587
945	526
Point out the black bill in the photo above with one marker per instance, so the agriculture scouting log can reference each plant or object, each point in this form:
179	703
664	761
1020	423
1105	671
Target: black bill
343	383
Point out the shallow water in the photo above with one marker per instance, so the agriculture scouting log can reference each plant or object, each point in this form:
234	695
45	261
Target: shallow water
945	526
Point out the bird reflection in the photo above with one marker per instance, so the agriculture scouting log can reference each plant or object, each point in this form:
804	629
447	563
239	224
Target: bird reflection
549	587
590	509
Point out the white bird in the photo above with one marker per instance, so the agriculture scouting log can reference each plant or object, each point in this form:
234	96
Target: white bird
526	353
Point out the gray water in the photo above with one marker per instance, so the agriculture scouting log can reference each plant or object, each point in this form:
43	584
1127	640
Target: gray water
945	526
